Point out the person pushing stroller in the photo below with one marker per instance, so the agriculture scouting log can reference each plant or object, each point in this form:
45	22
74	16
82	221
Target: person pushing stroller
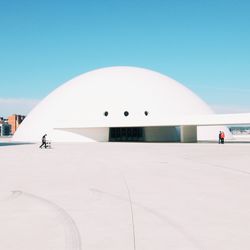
44	142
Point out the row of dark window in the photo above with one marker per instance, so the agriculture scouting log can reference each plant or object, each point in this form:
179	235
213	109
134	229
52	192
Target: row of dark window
126	113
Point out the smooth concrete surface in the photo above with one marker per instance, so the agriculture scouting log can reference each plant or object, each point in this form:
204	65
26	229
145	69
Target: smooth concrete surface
125	196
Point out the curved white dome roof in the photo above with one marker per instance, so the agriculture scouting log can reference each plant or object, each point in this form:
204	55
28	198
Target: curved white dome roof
83	100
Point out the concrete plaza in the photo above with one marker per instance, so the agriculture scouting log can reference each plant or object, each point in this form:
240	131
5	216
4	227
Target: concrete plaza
125	196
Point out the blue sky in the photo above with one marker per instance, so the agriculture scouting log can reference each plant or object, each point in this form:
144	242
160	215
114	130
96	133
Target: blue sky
204	44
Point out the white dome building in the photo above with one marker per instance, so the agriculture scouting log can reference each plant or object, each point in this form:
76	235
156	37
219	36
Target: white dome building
116	104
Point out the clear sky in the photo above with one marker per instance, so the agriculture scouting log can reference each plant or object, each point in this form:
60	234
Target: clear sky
204	44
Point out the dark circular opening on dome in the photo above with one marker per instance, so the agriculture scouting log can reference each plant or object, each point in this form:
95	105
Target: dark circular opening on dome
146	113
106	113
126	113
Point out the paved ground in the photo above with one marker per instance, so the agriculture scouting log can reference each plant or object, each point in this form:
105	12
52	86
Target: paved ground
117	196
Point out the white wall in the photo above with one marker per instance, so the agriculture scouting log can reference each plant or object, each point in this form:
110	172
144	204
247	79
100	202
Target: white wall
91	134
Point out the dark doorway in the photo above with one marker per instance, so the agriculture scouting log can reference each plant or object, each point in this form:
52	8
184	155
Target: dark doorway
126	134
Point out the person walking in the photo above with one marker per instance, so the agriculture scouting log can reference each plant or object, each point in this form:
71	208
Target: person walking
44	141
220	137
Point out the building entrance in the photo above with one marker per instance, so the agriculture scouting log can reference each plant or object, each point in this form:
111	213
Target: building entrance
126	134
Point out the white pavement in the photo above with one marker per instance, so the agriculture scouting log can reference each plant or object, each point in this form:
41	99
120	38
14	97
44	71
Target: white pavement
125	196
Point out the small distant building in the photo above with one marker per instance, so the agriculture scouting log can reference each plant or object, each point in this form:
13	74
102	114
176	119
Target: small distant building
15	121
5	129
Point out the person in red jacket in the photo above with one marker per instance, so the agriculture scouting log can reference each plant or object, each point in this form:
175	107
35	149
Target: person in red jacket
222	137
